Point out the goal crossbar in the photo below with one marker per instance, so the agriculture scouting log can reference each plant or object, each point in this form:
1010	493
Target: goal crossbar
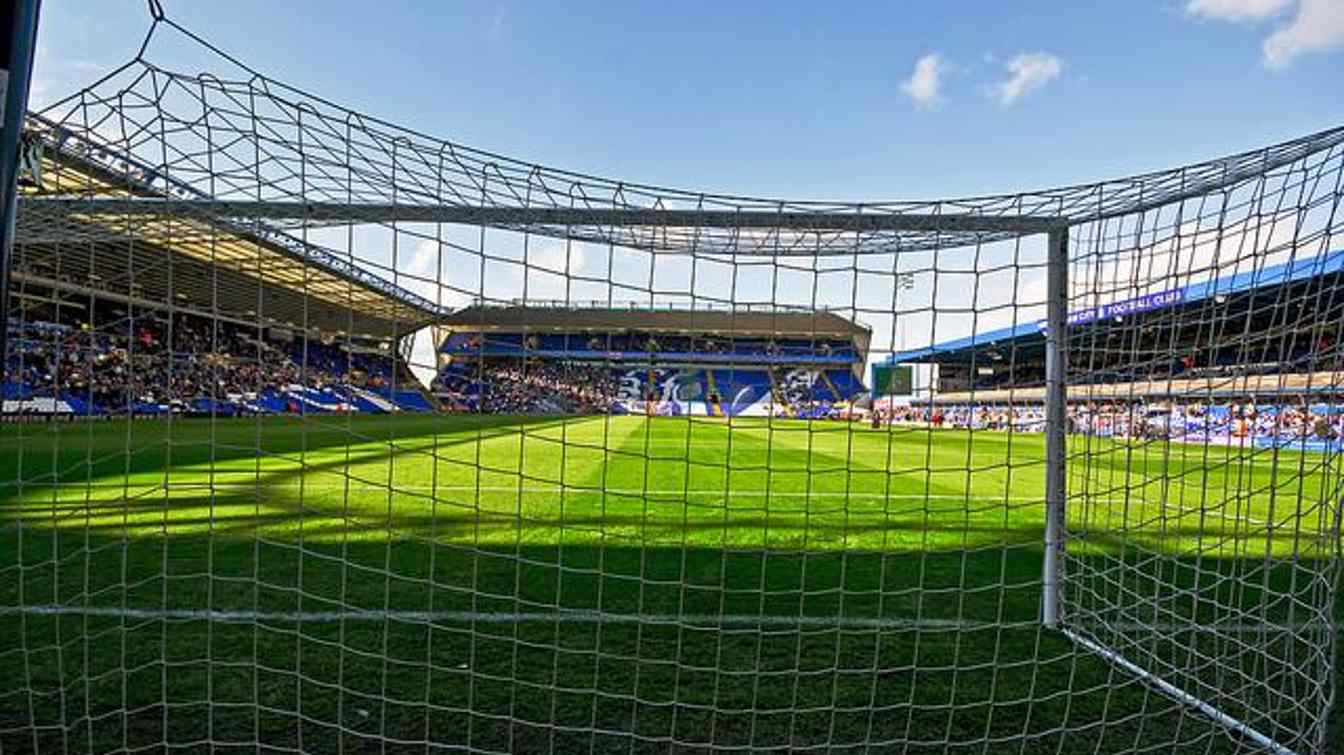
543	216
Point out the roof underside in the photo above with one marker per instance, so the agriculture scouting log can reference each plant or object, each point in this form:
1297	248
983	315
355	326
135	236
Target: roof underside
249	273
153	273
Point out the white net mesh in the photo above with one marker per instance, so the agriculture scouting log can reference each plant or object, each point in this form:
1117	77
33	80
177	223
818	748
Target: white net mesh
1205	551
326	435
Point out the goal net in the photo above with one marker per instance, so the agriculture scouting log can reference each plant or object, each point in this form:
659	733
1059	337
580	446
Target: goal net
321	434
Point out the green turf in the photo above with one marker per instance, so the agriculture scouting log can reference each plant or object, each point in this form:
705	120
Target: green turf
689	519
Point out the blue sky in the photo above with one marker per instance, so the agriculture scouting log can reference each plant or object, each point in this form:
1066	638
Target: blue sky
783	98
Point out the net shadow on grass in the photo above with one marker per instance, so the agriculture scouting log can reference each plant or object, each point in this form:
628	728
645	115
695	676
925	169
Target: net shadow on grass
699	674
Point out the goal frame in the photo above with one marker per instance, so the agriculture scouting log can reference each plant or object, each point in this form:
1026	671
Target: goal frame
1055	229
1056	501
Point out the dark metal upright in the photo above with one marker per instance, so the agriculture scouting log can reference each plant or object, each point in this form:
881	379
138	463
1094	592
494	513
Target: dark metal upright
18	41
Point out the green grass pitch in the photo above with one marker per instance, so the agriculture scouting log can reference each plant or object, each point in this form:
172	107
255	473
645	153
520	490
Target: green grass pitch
618	584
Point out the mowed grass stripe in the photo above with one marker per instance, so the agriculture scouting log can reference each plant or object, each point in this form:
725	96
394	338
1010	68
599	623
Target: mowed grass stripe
607	483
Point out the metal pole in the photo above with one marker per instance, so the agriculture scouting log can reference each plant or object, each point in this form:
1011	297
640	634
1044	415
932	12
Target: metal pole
18	37
521	215
1176	693
1056	418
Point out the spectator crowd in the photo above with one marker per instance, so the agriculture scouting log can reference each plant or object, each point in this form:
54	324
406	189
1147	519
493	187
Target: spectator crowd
1180	420
533	387
120	361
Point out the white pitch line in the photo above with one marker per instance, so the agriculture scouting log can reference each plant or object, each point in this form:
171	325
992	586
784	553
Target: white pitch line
141	488
571	616
1212	511
572	490
583	616
632	492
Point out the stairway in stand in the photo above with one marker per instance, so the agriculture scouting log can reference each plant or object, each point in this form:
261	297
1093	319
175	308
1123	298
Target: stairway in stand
776	395
825	378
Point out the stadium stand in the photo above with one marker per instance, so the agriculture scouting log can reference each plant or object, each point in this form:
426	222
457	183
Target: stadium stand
212	319
539	358
1240	357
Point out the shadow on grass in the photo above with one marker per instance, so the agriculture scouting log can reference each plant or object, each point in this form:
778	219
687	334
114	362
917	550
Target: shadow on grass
975	668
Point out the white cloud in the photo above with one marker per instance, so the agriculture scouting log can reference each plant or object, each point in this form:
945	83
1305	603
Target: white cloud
1317	27
925	81
427	271
1027	72
1236	10
496	28
56	75
556	256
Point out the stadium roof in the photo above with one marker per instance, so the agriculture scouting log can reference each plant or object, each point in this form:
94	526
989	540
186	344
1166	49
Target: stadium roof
248	271
742	322
1031	335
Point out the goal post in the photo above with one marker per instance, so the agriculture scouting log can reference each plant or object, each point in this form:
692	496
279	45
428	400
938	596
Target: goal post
1056	420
